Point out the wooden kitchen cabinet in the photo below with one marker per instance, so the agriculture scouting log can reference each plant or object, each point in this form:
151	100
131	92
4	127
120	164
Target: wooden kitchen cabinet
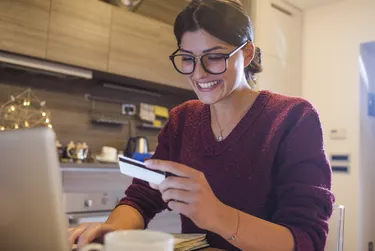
79	33
165	10
24	26
140	47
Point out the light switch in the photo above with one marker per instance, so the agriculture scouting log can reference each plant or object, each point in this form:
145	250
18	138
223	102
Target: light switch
339	133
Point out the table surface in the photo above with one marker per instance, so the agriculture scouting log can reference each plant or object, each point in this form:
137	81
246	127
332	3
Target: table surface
204	249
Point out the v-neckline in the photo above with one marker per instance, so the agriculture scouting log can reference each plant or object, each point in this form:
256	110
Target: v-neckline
211	145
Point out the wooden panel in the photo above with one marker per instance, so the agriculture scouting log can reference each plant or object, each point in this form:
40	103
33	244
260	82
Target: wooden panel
165	11
24	25
140	48
79	33
70	112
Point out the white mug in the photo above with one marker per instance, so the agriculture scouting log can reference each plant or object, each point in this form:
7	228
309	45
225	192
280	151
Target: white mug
134	240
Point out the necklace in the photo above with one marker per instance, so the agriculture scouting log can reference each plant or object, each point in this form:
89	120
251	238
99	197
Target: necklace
221	137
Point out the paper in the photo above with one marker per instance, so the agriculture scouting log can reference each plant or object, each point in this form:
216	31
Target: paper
161	111
146	112
186	242
157	123
189	242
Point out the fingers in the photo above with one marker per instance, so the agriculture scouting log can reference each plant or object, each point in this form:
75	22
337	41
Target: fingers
86	233
154	186
178	183
171	167
74	233
182	208
179	195
92	232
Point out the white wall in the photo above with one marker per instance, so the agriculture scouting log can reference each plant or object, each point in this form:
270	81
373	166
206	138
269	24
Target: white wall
331	43
279	35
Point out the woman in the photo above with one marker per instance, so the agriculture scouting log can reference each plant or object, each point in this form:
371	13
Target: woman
250	169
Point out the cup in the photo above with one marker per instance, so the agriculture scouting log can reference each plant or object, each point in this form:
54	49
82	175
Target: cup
108	154
134	240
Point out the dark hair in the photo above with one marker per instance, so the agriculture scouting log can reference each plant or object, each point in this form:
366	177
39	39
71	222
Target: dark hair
224	19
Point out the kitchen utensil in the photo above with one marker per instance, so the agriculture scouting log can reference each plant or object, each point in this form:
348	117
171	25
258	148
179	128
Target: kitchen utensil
136	145
78	152
108	154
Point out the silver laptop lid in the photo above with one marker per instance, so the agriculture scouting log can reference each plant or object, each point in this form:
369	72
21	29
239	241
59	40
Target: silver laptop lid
31	207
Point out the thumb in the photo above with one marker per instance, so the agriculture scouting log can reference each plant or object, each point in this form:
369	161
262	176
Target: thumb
153	186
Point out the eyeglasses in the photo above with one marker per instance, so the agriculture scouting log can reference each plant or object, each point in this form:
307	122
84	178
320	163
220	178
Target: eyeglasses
213	63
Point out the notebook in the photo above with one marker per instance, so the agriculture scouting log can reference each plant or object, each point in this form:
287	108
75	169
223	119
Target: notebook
189	242
184	242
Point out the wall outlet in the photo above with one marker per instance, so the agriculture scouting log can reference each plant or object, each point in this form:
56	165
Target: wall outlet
128	109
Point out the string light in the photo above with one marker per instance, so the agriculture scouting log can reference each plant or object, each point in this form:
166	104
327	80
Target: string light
11	109
24	111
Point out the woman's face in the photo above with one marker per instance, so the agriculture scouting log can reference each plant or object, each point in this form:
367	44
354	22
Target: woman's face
211	88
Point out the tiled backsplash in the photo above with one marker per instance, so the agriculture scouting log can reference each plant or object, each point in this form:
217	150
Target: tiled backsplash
71	112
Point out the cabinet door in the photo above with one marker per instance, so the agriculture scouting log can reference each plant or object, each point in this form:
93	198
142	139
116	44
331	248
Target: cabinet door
165	10
274	28
140	47
79	33
278	32
24	25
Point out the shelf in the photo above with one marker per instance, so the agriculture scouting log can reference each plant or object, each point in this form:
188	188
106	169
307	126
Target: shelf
147	126
110	121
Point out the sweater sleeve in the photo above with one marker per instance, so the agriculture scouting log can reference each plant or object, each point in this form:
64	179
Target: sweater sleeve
140	195
303	183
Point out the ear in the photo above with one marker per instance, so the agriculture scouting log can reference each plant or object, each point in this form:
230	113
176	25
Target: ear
248	53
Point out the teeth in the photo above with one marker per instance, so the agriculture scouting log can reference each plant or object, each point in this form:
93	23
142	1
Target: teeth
208	85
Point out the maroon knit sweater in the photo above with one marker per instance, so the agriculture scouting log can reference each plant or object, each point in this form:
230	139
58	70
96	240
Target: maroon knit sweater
272	166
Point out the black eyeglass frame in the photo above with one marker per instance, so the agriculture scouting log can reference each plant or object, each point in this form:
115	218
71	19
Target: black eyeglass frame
226	56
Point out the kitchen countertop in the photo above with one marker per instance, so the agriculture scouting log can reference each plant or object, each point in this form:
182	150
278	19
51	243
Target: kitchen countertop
203	249
89	167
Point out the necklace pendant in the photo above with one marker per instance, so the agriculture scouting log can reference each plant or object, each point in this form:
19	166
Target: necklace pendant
220	138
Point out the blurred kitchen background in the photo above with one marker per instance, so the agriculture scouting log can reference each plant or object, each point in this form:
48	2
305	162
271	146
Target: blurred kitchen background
98	73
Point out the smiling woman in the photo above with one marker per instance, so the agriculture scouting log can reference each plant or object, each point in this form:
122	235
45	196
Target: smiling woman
234	28
249	167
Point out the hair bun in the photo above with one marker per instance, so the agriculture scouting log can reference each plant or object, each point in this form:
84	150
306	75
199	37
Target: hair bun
236	3
258	55
255	66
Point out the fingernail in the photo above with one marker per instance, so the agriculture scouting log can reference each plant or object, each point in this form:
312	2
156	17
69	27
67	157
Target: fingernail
148	162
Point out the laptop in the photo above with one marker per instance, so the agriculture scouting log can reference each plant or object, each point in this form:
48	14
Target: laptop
31	205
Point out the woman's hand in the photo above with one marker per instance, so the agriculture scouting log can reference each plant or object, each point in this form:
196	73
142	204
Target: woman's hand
87	232
188	193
